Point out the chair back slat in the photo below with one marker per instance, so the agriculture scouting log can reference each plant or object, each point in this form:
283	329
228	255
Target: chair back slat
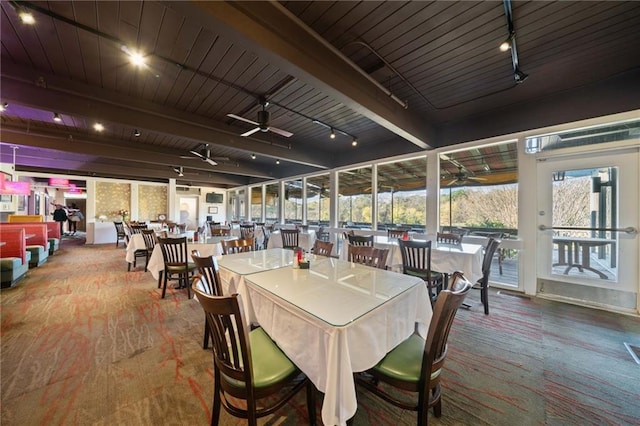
322	248
444	312
208	276
416	257
449	238
237	246
369	256
290	238
360	240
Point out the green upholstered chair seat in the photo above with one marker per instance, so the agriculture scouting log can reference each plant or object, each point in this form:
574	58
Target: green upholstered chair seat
404	362
434	275
175	269
270	364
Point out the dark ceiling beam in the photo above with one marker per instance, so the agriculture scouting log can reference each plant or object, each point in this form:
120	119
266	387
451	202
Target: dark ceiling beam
118	150
32	88
274	33
32	162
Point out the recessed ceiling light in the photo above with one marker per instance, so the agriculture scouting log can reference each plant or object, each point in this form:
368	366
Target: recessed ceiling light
56	117
98	127
27	17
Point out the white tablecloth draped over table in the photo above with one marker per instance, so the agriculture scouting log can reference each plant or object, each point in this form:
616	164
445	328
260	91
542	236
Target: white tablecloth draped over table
353	296
306	239
444	258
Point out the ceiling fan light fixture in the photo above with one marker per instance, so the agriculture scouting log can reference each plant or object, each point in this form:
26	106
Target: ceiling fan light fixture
56	117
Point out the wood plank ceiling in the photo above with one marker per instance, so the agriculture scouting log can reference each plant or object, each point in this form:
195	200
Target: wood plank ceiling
398	77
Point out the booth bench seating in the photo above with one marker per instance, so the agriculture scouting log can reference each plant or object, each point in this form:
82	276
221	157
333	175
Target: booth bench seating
14	256
38	244
54	228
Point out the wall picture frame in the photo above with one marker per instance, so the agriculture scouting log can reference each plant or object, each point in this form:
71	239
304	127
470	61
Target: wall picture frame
213	210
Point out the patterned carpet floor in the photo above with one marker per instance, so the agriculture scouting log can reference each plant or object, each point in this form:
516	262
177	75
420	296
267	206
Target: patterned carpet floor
84	342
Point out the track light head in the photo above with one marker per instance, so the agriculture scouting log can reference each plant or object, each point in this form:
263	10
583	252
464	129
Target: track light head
4	106
519	76
277	161
56	117
136	133
333	134
253	156
354	142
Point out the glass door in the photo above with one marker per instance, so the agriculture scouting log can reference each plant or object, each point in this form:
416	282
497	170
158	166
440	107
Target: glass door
587	229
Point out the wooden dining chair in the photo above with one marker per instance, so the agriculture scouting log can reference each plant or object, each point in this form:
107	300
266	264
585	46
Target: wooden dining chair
266	232
176	263
120	233
237	246
247	231
220	232
322	248
208	280
449	238
416	261
290	238
369	256
416	365
483	283
360	240
149	237
248	366
396	233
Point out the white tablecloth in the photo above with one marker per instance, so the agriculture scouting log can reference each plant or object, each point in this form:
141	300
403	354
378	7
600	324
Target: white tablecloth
336	319
466	257
136	242
306	239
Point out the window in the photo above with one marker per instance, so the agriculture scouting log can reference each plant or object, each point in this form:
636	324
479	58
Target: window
354	198
293	201
256	204
272	200
318	201
402	194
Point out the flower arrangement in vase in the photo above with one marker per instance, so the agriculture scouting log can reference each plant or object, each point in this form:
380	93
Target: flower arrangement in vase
124	213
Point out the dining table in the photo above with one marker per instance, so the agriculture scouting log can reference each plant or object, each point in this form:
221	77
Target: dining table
448	258
335	319
306	239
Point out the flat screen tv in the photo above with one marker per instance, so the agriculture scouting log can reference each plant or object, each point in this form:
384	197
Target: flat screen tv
214	198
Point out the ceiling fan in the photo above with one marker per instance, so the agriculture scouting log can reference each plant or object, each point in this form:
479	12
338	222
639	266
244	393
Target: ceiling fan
263	121
462	177
204	153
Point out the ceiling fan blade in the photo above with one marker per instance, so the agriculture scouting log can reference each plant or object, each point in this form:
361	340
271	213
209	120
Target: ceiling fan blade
477	179
196	153
210	161
451	182
246	120
250	132
280	132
